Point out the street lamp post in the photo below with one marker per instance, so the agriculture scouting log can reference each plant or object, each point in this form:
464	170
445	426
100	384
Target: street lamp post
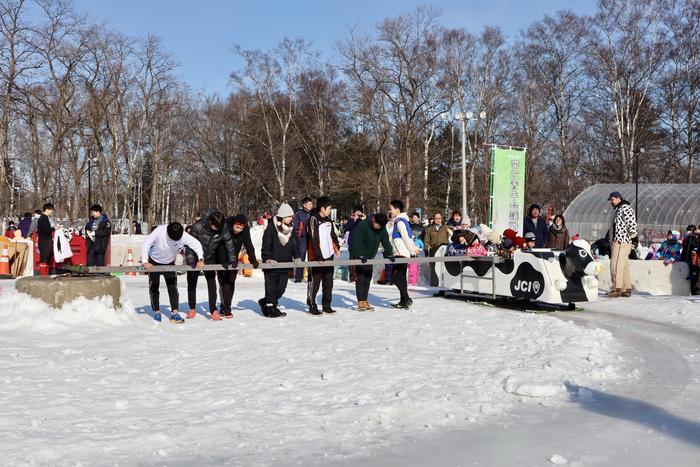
90	162
463	117
636	181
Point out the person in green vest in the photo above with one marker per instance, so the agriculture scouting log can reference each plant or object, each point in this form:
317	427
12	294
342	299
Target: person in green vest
367	236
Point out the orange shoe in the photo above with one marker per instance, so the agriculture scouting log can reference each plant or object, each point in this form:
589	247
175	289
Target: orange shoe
216	316
191	314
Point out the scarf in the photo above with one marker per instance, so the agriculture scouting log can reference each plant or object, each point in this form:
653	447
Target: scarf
284	232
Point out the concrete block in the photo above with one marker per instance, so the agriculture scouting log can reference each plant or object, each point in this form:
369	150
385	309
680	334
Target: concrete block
59	290
652	277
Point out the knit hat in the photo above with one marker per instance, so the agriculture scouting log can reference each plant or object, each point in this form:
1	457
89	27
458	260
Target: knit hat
493	237
676	235
519	241
285	210
510	233
240	219
469	236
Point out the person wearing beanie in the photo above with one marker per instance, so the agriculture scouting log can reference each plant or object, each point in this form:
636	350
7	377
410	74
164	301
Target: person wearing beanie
160	248
529	241
536	224
240	234
301	218
279	245
670	250
474	246
369	234
510	234
323	245
458	245
519	242
210	232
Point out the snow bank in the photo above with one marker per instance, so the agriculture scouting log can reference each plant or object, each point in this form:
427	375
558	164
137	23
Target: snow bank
259	391
651	277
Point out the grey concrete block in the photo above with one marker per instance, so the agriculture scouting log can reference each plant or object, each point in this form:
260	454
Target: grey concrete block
59	290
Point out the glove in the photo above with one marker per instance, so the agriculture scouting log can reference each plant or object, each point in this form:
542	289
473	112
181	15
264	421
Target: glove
91	235
255	263
234	265
297	260
363	259
635	241
391	258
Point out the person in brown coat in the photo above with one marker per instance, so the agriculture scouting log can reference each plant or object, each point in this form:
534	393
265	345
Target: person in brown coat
558	235
436	235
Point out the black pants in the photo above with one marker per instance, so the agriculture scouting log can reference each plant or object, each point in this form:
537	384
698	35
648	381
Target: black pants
275	284
694	279
170	282
434	279
321	276
46	251
399	277
211	277
363	279
94	258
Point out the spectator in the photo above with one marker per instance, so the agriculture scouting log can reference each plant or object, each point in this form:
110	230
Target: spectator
371	233
474	246
529	239
300	220
137	228
624	235
536	224
558	235
25	224
691	254
670	249
44	229
97	231
458	247
436	235
417	226
455	222
10	231
35	222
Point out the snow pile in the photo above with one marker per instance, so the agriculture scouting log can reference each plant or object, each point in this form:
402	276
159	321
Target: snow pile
21	312
254	390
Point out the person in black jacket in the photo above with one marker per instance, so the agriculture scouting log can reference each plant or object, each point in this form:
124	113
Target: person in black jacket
97	232
210	232
240	233
44	229
323	246
536	224
279	245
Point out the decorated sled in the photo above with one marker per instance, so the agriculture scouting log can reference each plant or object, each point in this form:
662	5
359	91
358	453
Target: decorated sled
538	279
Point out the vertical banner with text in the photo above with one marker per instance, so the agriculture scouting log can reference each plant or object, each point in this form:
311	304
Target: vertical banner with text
507	188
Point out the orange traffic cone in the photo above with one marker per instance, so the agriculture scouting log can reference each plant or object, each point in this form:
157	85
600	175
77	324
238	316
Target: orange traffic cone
5	262
130	261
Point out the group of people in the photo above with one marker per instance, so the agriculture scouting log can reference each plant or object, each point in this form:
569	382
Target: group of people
288	238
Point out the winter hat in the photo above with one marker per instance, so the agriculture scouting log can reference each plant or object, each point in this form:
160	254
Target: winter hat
507	243
676	235
510	233
529	236
240	219
469	236
519	242
285	210
493	237
533	206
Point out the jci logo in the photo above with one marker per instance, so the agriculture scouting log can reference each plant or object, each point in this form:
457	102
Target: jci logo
527	282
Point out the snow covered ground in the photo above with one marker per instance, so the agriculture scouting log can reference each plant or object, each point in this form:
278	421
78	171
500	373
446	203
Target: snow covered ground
90	386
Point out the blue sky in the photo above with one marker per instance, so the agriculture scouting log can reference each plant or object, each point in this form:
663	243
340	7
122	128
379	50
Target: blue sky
200	34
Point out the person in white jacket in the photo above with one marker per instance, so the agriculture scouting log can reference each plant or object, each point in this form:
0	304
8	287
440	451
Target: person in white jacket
404	247
160	248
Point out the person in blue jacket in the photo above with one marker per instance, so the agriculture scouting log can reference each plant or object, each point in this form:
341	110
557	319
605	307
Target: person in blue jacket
301	218
537	225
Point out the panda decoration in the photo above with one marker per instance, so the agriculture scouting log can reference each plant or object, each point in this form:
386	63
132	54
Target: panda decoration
537	275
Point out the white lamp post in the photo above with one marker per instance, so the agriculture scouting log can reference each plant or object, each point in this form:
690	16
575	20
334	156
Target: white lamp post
464	117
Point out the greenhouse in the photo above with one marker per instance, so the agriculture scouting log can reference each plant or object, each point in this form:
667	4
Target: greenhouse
661	207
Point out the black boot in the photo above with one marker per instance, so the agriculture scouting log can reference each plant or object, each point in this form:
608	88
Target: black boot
264	308
278	312
313	310
328	309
